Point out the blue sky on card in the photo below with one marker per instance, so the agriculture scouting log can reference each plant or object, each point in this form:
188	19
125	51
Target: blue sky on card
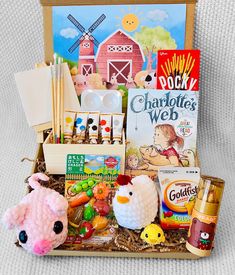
171	17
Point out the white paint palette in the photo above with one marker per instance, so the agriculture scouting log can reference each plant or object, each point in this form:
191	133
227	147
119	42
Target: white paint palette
104	101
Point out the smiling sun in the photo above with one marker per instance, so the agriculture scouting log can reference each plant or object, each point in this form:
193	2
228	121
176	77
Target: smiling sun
130	22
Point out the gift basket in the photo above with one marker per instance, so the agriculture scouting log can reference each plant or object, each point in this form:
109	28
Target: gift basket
115	106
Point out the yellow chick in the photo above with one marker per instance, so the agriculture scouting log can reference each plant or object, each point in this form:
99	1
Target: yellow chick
153	234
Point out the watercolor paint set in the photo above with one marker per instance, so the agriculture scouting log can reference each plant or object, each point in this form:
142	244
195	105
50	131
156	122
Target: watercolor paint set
115	107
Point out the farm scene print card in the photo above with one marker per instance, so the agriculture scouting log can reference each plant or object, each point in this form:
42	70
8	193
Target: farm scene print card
161	129
178	70
115	47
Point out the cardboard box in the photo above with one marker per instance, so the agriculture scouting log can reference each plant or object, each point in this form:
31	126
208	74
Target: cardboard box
55	154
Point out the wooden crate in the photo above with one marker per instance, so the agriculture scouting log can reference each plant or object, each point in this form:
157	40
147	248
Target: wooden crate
56	154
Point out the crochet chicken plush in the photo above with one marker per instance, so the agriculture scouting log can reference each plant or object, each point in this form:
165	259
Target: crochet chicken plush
135	203
40	219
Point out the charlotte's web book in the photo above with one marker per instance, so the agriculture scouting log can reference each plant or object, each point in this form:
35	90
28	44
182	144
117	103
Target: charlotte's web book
161	128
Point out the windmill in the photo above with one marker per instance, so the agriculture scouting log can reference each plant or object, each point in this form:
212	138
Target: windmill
87	42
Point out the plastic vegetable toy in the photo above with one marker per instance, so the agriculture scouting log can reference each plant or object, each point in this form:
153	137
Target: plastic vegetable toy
99	222
81	198
89	213
86	230
75	216
84	185
101	191
102	207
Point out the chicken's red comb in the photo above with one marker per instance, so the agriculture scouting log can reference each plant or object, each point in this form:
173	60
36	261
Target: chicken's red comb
123	180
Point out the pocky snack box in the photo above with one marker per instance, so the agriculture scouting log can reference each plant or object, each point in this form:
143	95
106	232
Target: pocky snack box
178	187
178	70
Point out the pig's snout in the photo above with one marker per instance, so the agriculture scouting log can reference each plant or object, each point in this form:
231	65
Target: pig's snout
42	247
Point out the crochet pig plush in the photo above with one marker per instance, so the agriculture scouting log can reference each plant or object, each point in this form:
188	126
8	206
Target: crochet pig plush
40	219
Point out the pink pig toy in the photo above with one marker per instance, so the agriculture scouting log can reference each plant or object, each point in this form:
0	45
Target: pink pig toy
40	218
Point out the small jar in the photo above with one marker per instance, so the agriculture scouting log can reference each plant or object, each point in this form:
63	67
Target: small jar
205	216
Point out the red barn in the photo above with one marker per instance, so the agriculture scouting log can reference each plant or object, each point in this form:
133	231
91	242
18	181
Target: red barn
119	56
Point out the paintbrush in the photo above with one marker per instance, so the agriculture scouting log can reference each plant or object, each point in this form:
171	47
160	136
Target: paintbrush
55	95
52	102
58	103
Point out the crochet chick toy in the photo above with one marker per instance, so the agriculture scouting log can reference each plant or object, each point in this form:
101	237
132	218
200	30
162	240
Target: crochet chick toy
40	219
153	234
135	203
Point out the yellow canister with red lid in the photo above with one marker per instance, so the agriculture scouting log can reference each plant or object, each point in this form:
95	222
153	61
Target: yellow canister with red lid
205	216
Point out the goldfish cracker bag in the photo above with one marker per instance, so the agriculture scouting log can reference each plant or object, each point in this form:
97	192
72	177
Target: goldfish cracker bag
178	192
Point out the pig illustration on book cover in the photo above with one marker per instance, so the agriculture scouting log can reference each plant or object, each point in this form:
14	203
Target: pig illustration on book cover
161	129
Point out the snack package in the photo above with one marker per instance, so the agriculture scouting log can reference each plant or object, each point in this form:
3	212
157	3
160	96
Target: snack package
179	187
205	216
178	70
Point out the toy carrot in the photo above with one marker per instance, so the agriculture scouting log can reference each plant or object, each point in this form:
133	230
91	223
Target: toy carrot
82	198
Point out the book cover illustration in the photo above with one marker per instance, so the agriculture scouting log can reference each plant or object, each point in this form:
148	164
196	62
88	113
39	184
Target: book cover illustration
178	70
161	129
115	47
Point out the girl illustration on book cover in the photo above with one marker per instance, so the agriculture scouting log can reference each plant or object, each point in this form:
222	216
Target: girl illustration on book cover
165	139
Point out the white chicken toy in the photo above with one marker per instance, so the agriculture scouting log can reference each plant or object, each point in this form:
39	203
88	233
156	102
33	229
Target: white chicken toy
135	204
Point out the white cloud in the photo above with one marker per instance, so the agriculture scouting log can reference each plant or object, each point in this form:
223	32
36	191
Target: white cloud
69	33
157	15
100	159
